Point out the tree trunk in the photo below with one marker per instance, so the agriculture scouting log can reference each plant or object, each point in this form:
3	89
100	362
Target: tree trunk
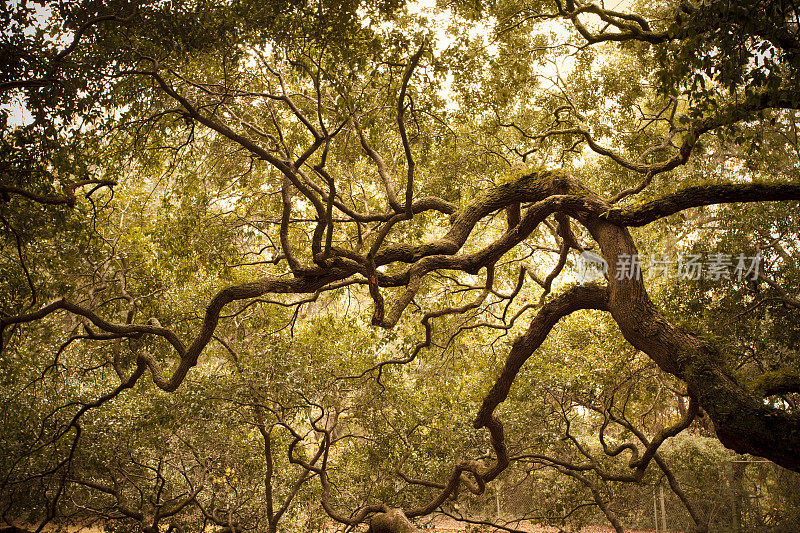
392	521
736	485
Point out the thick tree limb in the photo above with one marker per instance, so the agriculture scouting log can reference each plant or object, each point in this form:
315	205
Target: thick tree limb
702	195
742	421
579	297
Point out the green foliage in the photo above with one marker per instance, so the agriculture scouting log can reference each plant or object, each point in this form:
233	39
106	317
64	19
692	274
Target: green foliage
179	147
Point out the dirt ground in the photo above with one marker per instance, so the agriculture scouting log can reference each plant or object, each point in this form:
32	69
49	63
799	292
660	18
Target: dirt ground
437	525
448	525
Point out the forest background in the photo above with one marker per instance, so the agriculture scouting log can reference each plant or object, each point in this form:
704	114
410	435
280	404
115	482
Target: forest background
309	265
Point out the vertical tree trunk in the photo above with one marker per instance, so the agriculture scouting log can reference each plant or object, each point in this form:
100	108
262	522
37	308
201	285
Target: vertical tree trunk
735	483
497	498
655	510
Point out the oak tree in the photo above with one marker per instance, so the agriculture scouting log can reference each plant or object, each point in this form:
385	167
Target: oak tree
342	233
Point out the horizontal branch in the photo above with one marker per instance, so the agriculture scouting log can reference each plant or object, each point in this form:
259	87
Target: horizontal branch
701	195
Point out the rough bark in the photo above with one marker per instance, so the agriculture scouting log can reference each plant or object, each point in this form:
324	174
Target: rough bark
742	421
392	521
